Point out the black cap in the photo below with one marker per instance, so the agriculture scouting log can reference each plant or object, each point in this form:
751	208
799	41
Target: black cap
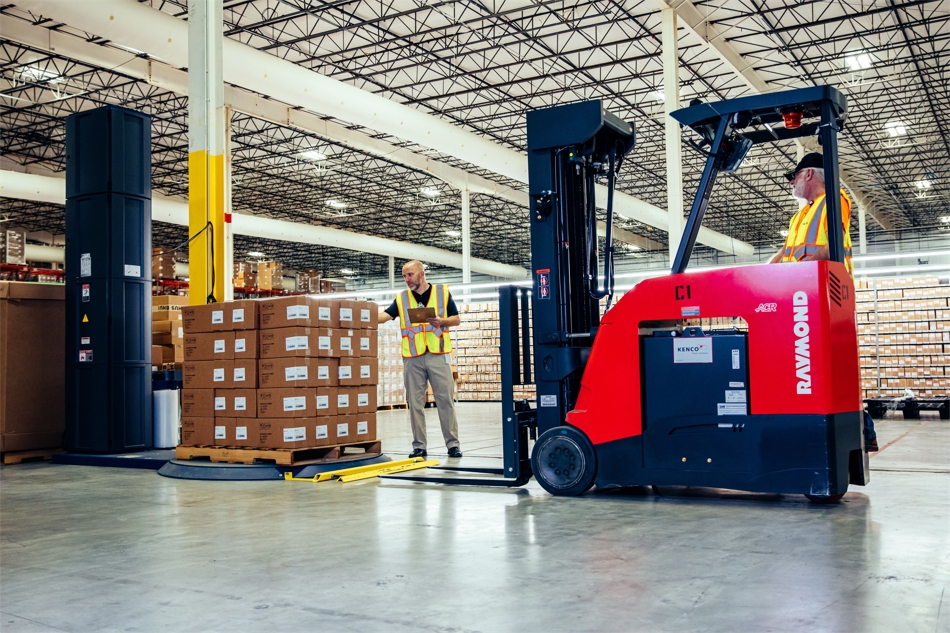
814	159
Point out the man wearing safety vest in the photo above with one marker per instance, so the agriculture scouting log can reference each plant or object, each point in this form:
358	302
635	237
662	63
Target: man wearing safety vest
427	355
808	234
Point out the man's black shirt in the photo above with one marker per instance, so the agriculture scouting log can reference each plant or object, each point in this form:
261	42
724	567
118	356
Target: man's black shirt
423	300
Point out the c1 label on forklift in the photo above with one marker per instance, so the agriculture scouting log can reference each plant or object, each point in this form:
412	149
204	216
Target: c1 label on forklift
548	401
85	293
691	311
692	350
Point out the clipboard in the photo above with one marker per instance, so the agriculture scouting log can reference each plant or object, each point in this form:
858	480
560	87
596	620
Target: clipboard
420	315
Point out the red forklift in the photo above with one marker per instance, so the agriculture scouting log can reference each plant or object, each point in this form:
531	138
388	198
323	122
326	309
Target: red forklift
643	396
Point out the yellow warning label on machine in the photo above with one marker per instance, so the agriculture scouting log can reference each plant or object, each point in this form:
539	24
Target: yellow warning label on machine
85	318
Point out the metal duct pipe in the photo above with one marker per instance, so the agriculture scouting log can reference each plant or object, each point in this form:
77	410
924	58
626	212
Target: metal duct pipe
175	211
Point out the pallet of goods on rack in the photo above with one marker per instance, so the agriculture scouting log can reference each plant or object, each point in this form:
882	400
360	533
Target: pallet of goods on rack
16	272
904	336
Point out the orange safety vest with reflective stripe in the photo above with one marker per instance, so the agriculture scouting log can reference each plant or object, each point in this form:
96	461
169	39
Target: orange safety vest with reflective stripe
419	338
808	231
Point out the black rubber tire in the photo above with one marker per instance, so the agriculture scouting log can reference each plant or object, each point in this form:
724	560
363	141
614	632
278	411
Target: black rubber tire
825	499
563	461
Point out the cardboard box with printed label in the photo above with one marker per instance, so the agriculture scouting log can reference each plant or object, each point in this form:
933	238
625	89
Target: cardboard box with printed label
324	429
327	400
167	315
366	399
367	343
287	402
197	431
300	341
349	372
365	424
368	370
197	403
368	315
328	313
168	303
167	333
247	344
156	355
202	318
238	315
235	403
208	374
221	435
344	429
298	372
286	433
349	314
346	400
244	375
209	346
299	310
348	343
244	431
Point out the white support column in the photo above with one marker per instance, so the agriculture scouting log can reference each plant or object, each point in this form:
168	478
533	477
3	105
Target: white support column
228	227
466	237
392	271
862	231
674	149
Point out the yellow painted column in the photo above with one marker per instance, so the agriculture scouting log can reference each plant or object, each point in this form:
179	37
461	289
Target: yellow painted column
206	166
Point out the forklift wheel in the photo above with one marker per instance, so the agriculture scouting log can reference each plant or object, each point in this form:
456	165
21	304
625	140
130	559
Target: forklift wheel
563	461
824	499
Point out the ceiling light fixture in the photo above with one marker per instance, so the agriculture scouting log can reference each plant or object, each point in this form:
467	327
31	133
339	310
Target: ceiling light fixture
858	61
255	254
783	233
312	155
431	192
336	204
923	184
35	73
451	233
895	128
346	271
658	95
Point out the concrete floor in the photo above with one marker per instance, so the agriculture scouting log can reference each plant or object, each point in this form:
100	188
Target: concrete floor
103	549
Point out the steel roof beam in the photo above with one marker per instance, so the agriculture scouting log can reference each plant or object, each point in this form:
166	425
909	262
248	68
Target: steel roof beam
714	37
159	35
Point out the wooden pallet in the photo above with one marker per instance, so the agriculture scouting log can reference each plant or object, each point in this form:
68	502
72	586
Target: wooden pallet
390	407
18	457
279	456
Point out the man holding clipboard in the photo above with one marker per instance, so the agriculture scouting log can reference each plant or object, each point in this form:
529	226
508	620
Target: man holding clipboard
425	313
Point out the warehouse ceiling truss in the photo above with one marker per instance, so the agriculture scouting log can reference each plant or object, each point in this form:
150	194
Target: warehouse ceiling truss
482	66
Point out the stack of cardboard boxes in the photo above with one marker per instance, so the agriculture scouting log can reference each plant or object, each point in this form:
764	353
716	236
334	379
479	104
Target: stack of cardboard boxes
295	372
245	275
270	276
163	264
167	331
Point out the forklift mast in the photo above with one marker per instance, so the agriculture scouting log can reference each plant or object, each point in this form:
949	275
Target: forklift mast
570	148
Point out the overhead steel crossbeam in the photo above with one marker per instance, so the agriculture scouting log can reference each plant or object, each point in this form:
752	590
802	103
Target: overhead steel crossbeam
270	176
484	66
895	143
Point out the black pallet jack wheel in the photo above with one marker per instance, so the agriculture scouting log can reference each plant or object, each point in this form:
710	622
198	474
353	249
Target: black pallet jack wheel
825	499
564	462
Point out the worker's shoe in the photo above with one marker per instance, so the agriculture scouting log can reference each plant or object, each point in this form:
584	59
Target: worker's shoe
455	452
417	452
870	446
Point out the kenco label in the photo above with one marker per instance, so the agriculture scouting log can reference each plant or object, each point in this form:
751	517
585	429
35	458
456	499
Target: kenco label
692	350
